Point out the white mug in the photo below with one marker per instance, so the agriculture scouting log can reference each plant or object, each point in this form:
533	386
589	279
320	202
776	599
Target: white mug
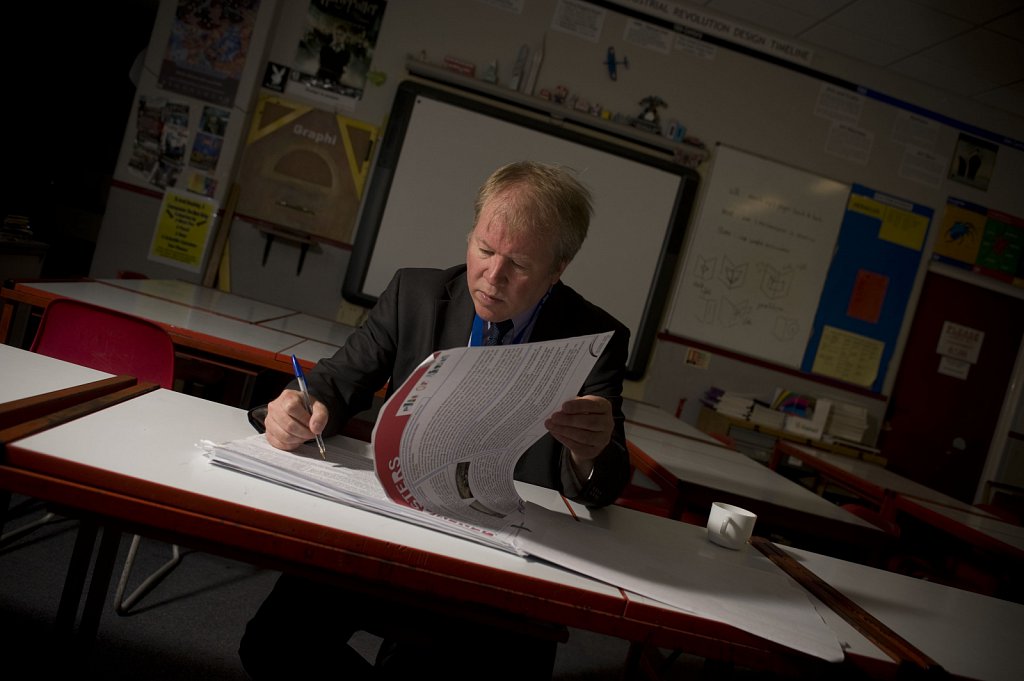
730	526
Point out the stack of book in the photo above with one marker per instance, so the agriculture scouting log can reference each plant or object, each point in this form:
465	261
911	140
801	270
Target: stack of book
730	404
847	422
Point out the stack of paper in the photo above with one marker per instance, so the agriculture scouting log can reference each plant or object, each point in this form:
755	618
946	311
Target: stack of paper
766	416
848	422
730	404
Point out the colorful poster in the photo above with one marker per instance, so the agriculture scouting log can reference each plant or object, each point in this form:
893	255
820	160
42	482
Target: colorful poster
207	49
865	297
982	240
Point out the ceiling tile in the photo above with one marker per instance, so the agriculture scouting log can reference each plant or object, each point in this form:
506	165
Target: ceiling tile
852	44
956	78
1009	99
765	14
998	58
1012	25
975	11
910	26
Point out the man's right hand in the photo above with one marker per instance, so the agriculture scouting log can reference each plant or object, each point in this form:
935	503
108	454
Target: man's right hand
289	425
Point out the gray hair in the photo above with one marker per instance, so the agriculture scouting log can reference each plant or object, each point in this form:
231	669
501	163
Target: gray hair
543	199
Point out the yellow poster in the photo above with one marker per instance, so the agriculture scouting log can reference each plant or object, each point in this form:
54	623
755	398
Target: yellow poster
183	230
899	225
848	357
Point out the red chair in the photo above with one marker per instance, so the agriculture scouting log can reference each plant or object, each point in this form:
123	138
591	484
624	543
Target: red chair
118	343
106	340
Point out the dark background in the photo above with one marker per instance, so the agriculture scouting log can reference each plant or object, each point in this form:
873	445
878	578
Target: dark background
67	97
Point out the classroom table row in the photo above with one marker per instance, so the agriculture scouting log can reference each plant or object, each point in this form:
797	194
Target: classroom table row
703	473
208	324
895	495
92	463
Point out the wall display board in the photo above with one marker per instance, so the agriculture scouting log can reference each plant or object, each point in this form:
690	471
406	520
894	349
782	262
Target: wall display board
864	300
982	240
304	168
757	257
440	146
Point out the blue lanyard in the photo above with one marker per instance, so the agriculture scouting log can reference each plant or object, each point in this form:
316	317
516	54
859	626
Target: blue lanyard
477	337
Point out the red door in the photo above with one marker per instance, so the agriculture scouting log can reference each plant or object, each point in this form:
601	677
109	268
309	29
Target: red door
939	426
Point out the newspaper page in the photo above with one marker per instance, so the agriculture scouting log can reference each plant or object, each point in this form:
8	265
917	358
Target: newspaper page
448	440
445	445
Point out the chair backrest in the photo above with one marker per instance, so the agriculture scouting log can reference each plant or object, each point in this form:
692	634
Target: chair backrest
106	340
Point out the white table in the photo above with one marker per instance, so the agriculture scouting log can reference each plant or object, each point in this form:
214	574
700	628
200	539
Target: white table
203	298
654	418
969	635
172	488
705	473
865	478
313	328
26	374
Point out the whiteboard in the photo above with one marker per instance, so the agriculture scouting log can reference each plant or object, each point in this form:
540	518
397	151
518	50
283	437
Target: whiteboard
440	147
757	257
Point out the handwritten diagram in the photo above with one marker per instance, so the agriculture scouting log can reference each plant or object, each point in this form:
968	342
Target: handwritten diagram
757	260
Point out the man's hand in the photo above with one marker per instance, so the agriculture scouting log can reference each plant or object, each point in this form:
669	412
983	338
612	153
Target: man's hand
289	425
584	425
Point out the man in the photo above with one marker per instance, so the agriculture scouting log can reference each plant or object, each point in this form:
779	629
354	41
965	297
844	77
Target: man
531	220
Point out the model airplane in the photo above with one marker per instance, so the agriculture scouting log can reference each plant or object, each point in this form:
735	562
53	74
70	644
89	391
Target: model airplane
613	65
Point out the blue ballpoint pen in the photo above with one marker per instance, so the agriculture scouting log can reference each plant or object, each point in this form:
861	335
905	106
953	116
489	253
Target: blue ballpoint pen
301	377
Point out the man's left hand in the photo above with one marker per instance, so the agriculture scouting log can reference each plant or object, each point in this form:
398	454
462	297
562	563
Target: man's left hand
584	425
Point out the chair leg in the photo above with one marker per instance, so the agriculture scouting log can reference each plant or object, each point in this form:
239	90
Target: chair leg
46	518
123	604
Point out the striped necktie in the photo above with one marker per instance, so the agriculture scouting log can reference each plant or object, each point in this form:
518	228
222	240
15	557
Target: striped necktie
495	332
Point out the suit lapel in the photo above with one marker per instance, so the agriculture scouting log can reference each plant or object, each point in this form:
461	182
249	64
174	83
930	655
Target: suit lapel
455	314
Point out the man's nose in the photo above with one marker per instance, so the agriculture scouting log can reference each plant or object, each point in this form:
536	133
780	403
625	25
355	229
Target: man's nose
498	269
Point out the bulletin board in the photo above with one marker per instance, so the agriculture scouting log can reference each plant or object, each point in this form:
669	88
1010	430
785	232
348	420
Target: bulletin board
792	268
866	293
757	257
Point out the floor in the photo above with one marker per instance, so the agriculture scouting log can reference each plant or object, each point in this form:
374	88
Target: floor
188	627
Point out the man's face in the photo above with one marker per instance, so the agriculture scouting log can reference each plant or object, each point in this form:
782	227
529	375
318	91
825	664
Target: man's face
507	273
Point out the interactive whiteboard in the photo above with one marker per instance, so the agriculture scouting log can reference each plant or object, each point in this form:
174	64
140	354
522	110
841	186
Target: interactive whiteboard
439	147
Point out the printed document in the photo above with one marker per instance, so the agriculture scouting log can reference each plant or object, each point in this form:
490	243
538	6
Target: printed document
446	443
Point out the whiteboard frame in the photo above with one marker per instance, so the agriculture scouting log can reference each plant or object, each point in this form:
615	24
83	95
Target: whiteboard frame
646	291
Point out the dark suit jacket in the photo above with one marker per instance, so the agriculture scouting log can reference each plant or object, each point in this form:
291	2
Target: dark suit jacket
424	310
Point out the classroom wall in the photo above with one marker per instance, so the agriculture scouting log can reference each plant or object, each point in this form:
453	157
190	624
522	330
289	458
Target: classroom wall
719	94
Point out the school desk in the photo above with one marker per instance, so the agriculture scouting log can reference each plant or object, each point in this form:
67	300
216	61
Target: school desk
203	298
650	416
241	345
705	473
34	385
868	480
135	467
970	636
